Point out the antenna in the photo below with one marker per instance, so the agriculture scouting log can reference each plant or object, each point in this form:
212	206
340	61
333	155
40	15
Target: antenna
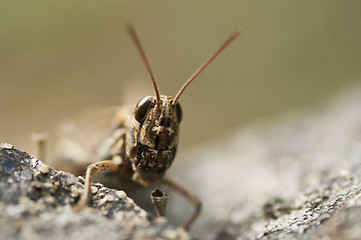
205	64
134	37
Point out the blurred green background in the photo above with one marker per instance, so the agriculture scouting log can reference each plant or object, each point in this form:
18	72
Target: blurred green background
60	57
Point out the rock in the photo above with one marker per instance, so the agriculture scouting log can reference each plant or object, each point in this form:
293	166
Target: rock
298	177
36	200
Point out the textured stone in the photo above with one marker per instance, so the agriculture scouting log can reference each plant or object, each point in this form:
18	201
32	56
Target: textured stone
297	177
38	206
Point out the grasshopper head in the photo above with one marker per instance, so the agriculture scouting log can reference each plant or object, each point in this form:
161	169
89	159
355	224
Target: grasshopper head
153	138
158	124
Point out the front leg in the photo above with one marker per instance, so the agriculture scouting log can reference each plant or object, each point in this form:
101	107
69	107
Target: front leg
190	196
91	170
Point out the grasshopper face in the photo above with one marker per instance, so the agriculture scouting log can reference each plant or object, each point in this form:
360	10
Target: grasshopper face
152	138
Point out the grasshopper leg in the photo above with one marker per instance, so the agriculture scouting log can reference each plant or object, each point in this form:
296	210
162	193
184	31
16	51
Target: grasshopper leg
40	138
190	196
91	170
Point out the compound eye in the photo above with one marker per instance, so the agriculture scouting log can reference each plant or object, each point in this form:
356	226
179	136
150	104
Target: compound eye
142	108
179	112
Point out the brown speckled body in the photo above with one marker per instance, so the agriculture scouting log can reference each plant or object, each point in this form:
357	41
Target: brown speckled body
145	149
150	146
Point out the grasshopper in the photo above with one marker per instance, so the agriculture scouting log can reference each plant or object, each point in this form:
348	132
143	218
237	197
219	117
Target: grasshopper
144	144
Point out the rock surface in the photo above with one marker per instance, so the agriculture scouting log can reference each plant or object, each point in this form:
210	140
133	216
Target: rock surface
297	177
35	203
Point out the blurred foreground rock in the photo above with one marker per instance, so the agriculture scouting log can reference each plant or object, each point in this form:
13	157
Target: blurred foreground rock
297	177
35	203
